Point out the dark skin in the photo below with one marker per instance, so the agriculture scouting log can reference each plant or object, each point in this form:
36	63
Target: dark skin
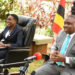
11	22
69	28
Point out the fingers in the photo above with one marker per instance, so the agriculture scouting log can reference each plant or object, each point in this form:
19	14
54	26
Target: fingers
55	59
56	56
1	44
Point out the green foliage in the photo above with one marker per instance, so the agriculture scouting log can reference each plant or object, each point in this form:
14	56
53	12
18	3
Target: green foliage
49	32
32	66
5	7
44	31
2	24
16	8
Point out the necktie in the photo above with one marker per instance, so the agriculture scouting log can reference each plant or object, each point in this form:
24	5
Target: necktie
62	51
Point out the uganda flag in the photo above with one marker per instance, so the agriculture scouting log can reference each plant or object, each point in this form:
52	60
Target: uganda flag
59	17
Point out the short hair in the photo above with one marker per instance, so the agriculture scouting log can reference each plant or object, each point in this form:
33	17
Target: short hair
15	17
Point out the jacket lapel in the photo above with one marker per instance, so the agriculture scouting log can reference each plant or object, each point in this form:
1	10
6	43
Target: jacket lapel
5	31
13	31
70	45
61	39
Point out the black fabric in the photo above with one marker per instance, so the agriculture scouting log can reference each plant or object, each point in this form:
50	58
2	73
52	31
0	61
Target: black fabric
61	10
3	54
33	73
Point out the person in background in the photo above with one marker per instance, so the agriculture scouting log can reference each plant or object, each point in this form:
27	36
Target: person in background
11	35
62	53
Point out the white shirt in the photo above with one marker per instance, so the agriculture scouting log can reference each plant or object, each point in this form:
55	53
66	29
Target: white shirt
7	34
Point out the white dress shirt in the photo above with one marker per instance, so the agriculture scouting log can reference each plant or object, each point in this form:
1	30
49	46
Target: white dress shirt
7	34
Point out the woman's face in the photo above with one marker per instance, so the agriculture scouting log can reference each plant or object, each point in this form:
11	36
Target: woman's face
11	21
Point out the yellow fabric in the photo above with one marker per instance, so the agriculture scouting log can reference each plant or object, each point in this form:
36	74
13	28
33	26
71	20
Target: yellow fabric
59	20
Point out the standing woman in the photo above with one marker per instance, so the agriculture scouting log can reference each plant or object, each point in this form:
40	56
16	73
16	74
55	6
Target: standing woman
12	35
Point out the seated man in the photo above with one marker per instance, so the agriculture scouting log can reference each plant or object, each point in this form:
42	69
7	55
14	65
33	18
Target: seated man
62	54
12	35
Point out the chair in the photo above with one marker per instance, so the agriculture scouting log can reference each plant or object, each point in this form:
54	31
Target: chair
17	54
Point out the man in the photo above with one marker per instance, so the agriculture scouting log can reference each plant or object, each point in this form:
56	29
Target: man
61	62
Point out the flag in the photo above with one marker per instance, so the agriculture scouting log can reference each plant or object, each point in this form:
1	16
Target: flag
59	17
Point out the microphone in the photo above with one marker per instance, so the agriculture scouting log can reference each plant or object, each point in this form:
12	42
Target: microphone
36	56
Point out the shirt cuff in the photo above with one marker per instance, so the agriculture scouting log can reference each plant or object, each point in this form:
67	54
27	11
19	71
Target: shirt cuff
67	60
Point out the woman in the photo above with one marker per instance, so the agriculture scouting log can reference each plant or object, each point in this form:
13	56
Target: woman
12	35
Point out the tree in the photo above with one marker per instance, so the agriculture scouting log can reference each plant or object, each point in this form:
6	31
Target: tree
5	7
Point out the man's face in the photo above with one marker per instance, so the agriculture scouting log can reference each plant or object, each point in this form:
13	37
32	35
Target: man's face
69	25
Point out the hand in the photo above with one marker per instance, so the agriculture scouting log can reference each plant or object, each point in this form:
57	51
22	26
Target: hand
57	57
2	44
53	56
7	45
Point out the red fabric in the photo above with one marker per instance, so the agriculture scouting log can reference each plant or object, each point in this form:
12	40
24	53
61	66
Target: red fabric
56	28
62	3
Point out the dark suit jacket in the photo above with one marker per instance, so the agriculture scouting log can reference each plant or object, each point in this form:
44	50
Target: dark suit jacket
70	50
15	37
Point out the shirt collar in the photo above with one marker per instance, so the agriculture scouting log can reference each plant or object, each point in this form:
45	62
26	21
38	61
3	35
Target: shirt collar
71	35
